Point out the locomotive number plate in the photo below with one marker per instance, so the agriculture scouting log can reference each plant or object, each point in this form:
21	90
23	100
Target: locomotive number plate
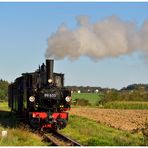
49	95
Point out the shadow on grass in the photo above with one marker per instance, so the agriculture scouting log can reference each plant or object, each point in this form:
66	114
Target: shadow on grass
8	119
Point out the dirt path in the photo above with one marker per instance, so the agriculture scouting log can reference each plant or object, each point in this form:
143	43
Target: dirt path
130	120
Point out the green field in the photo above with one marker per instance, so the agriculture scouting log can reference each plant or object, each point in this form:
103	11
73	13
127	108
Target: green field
91	97
90	133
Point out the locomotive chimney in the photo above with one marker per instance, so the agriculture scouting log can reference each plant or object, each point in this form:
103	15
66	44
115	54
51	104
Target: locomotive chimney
49	69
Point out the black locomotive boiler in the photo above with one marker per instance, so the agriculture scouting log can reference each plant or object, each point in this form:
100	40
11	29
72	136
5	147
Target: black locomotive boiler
41	98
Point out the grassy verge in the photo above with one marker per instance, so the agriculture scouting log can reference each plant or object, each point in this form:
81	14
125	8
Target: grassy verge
126	105
17	136
20	137
90	133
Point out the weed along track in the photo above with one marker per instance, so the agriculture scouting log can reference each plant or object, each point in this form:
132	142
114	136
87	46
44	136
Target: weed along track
58	139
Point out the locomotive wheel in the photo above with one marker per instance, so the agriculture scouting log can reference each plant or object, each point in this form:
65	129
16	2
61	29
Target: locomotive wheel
61	123
35	123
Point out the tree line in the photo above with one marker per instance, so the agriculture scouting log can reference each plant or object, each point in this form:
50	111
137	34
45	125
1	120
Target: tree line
133	95
3	90
133	92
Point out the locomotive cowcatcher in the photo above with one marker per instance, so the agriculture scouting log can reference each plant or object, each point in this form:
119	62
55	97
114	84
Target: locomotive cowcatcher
41	98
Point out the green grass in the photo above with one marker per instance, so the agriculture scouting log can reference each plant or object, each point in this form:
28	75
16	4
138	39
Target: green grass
91	97
126	105
17	135
20	137
90	133
4	106
83	130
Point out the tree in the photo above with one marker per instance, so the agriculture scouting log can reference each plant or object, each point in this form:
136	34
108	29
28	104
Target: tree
4	90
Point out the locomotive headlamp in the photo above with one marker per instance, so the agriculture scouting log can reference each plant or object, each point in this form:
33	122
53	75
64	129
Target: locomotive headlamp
49	80
31	98
68	99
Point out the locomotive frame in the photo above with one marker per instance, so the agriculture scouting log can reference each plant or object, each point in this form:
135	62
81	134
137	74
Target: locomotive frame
41	98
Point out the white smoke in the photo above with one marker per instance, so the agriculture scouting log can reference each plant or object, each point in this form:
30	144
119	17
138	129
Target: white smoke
110	37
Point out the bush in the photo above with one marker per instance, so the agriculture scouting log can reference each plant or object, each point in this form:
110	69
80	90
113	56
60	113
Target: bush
3	90
115	95
81	102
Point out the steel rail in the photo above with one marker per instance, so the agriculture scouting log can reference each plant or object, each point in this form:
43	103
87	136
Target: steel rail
59	139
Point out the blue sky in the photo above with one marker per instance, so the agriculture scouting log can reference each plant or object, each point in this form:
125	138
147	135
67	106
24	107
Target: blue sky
25	28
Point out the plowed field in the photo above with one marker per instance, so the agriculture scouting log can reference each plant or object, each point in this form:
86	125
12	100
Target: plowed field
129	120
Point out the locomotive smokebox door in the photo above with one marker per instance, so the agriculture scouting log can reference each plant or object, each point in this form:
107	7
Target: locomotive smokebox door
49	69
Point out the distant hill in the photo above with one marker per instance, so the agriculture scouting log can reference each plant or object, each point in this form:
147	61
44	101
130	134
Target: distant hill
136	87
85	89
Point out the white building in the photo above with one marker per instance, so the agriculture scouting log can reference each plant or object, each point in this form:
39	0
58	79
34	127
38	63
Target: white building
79	91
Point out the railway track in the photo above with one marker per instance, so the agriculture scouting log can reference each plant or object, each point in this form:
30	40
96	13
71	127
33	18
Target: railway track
58	139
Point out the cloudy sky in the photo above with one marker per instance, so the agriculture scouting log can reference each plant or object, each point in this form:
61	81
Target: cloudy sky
94	44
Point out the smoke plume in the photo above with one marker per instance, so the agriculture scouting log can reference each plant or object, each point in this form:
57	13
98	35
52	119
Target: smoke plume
110	37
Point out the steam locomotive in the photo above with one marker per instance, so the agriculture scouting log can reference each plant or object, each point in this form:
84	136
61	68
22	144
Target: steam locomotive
41	98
